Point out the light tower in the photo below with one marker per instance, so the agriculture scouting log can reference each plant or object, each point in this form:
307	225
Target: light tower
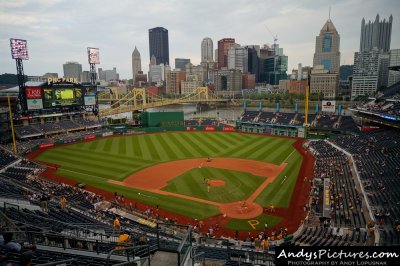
94	58
19	52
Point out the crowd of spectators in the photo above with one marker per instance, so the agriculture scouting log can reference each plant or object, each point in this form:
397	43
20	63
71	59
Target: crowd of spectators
377	157
25	145
346	199
319	120
53	127
390	107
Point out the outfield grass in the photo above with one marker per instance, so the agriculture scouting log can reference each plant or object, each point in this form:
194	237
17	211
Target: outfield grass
97	161
279	192
238	185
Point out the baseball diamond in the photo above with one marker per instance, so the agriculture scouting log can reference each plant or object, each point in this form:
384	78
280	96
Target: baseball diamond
232	178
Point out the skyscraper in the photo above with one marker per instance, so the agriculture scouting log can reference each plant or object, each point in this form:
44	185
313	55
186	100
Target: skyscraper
238	58
181	63
376	34
327	46
136	63
253	53
207	50
394	62
72	70
371	63
108	75
274	65
158	45
365	73
223	47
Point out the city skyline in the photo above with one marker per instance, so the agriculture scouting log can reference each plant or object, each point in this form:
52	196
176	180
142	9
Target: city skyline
55	35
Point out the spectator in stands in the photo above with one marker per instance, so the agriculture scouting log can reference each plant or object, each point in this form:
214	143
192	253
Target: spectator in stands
123	239
44	203
9	244
63	203
117	226
265	244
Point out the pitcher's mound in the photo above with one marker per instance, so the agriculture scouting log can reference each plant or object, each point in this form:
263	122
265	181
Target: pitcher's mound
241	210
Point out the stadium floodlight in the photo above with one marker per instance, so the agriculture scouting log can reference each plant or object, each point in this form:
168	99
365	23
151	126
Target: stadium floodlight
93	55
19	49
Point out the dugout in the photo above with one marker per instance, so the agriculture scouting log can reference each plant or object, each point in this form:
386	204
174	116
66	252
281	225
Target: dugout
161	121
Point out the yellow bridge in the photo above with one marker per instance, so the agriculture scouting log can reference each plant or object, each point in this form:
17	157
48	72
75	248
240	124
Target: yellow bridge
138	99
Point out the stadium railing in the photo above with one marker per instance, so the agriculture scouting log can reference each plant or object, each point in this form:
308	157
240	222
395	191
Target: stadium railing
133	254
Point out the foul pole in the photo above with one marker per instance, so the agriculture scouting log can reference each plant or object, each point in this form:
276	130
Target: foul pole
12	126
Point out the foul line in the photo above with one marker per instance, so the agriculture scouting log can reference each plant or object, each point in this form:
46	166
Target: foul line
289	155
141	194
105	178
63	169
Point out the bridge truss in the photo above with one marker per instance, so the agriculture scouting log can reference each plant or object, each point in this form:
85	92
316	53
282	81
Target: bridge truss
139	99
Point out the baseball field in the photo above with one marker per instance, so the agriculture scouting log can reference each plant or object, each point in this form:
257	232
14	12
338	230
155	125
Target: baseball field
194	174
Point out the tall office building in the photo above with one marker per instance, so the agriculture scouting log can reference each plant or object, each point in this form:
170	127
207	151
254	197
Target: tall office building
238	58
376	34
181	63
157	73
227	80
136	64
253	60
207	50
158	45
365	73
394	63
72	70
85	76
223	47
108	75
383	70
371	63
327	46
173	81
322	81
275	65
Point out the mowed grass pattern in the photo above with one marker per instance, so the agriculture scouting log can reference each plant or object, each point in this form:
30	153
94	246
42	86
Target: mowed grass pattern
238	185
118	157
97	161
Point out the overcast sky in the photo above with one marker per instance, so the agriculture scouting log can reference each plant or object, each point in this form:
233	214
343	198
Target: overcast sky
60	30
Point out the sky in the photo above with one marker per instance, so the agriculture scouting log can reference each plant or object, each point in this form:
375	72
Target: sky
58	31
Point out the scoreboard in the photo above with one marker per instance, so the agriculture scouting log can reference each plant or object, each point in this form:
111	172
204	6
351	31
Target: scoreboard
59	94
62	96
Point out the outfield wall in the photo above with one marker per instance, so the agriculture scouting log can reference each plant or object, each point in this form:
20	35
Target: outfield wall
162	119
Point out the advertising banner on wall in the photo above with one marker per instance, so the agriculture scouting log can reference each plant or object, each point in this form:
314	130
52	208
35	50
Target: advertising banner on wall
33	93
209	128
89	137
328	106
46	145
90	100
34	98
228	129
34	104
